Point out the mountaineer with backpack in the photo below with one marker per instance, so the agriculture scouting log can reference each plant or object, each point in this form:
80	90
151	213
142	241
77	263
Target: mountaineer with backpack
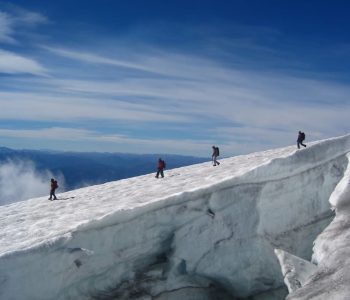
215	154
161	166
54	186
301	138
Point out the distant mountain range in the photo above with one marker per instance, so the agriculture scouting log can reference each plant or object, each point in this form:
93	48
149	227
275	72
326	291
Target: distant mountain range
88	168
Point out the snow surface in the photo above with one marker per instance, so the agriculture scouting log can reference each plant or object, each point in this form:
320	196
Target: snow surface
200	231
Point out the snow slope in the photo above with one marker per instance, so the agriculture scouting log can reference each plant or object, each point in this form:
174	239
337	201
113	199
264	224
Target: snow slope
200	232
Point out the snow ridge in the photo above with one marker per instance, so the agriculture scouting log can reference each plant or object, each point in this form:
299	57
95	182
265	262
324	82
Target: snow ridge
202	229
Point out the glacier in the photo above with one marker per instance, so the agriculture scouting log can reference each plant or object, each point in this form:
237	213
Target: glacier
331	278
202	232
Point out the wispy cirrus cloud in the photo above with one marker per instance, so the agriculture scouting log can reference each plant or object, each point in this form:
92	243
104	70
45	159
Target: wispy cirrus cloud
110	142
92	58
167	96
6	28
152	60
12	63
49	133
244	110
63	107
204	88
15	20
24	17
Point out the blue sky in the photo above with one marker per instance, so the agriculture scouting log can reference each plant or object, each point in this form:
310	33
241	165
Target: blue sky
172	76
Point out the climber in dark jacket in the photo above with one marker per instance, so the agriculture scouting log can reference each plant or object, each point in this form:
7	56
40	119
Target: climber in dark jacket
54	186
215	155
301	138
160	167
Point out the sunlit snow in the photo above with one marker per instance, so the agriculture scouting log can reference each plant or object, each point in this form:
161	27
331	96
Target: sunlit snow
200	231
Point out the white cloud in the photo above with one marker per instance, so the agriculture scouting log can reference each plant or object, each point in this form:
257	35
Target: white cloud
28	18
16	20
6	29
19	180
153	61
198	96
195	94
46	133
233	140
204	90
31	106
111	142
97	59
12	63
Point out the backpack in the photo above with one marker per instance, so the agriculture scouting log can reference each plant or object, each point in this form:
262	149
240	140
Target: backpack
55	184
302	136
217	151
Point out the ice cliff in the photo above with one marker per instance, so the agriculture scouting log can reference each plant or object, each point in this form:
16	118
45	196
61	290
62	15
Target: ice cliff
329	276
202	232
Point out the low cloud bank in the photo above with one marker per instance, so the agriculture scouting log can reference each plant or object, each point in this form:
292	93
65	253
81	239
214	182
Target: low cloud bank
20	180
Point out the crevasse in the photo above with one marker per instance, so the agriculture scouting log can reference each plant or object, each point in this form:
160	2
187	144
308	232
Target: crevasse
202	232
331	278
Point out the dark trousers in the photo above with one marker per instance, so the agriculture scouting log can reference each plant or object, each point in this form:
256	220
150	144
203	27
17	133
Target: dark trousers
52	194
160	171
300	143
215	162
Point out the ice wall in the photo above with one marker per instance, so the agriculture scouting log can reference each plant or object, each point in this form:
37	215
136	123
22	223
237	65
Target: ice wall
212	241
331	276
